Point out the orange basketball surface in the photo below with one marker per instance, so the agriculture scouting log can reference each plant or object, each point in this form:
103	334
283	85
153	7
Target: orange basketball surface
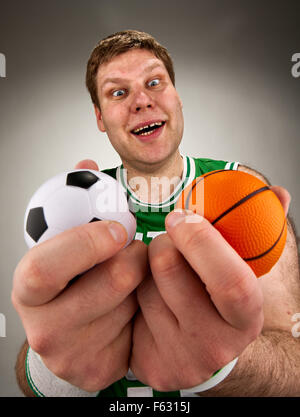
244	210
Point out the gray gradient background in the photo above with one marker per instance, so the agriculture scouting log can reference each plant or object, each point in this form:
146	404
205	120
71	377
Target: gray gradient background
233	72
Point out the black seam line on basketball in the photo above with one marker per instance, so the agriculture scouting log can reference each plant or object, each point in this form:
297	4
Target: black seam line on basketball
242	201
268	250
200	179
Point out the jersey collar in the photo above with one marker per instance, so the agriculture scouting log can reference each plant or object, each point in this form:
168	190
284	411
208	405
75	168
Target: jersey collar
188	175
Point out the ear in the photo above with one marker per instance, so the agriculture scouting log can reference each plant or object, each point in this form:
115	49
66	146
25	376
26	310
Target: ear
99	119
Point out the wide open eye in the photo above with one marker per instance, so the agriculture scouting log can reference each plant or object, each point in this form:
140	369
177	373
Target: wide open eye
118	93
154	82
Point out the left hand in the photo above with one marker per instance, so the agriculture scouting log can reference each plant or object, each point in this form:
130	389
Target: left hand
200	309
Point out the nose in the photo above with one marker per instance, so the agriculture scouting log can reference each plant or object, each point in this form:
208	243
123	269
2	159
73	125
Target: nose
141	101
138	108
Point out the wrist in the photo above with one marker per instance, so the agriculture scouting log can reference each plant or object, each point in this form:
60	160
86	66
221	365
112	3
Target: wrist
44	383
217	377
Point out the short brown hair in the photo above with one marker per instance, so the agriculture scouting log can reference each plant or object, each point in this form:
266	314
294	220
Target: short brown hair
117	44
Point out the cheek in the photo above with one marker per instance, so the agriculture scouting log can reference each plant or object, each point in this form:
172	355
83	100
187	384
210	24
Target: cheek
119	116
114	119
177	111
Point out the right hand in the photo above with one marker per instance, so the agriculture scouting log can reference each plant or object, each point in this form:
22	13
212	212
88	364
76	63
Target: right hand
81	330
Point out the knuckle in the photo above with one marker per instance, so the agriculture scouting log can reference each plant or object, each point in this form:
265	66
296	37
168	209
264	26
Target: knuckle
166	261
14	299
39	341
218	357
241	290
16	302
121	280
237	293
136	246
27	267
30	275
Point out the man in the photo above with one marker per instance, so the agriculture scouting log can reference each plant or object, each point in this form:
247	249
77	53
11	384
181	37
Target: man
164	318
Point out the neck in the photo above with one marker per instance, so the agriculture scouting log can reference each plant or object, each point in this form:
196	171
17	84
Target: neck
156	183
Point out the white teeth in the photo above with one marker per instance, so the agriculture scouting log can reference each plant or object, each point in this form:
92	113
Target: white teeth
146	133
145	127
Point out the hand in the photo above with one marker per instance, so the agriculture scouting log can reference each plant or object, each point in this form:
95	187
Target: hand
81	328
200	308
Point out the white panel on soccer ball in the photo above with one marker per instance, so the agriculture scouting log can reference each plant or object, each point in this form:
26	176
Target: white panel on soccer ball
68	207
44	192
129	221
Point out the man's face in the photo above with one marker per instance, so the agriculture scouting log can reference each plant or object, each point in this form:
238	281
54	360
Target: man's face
135	92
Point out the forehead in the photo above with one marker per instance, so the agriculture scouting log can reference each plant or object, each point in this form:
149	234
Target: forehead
129	64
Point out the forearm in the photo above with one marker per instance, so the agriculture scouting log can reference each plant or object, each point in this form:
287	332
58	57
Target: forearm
21	372
269	367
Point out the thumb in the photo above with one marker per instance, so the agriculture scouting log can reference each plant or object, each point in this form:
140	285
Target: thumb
87	164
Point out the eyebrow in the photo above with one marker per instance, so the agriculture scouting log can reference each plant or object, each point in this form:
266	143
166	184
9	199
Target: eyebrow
117	80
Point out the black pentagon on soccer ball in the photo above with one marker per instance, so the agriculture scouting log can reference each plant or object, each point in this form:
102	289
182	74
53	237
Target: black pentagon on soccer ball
36	224
82	179
95	220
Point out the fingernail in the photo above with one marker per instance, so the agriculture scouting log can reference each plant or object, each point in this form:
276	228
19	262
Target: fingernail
176	217
118	232
194	218
179	215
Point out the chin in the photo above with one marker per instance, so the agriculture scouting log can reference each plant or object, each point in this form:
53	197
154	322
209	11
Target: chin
155	160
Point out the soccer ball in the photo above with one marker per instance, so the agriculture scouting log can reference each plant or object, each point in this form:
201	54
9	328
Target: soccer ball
74	198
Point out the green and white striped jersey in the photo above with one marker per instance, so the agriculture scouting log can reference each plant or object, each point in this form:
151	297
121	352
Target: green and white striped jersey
151	217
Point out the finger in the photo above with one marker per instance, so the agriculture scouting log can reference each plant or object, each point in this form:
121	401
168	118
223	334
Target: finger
104	329
232	285
179	285
157	315
87	164
48	267
105	286
284	197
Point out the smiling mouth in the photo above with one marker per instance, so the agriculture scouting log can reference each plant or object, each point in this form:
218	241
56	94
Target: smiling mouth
148	129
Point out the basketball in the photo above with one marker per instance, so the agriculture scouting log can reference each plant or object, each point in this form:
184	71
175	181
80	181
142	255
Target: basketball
244	210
